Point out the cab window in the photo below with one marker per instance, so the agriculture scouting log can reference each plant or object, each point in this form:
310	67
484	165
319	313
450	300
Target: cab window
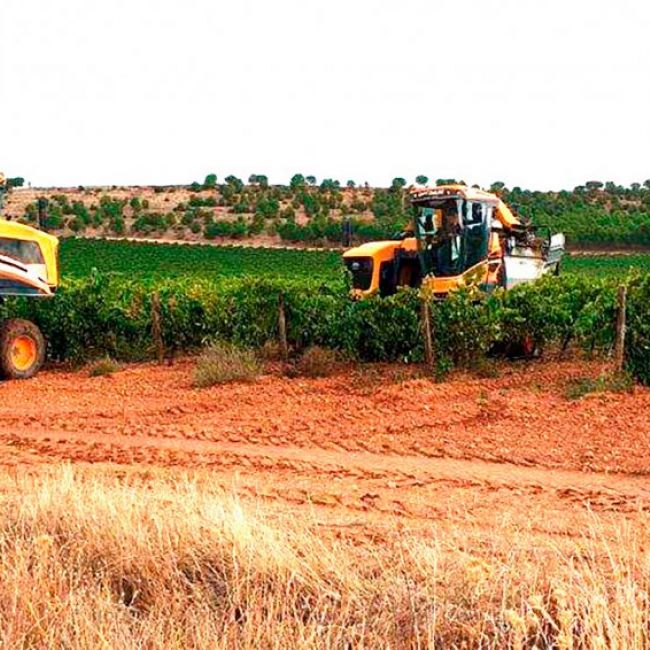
27	252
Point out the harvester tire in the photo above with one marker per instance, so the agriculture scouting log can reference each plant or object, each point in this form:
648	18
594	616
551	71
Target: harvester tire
22	349
525	348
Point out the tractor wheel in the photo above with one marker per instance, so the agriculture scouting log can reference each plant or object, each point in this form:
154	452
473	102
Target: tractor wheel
22	349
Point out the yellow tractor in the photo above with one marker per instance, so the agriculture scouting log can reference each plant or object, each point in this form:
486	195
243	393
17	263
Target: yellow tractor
459	236
28	267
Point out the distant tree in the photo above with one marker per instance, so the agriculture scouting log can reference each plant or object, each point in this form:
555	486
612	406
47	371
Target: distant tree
445	181
421	179
311	180
15	182
258	179
497	186
646	184
329	184
592	186
351	184
210	181
297	180
234	182
398	182
635	187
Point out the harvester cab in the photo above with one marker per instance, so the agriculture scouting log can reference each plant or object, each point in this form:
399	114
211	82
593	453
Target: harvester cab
29	267
459	236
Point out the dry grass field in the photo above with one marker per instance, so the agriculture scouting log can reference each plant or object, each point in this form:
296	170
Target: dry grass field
372	508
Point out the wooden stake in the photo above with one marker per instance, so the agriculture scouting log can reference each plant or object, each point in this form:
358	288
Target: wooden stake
282	328
156	327
619	344
427	333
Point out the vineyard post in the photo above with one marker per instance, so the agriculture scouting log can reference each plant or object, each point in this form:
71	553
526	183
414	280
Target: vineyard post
619	344
282	328
156	327
426	332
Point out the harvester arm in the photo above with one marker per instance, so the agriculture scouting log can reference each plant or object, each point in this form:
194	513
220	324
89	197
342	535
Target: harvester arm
507	218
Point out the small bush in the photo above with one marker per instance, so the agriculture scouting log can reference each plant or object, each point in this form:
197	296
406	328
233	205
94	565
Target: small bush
317	362
271	351
222	362
105	366
615	382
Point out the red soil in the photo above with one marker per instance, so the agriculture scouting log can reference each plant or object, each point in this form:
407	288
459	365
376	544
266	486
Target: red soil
365	443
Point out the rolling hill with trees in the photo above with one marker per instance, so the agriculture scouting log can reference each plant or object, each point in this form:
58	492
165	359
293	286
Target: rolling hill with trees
306	210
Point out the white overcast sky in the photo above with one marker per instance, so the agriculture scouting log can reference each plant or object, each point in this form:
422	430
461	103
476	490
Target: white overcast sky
542	94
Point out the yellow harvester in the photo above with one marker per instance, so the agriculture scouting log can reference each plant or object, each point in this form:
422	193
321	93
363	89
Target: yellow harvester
28	267
459	235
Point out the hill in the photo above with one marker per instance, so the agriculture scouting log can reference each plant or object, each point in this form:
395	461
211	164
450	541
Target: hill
593	215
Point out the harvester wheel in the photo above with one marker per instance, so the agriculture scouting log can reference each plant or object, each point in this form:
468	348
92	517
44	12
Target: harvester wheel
525	348
22	349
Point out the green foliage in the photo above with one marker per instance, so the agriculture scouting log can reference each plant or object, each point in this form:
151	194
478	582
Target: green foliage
143	260
297	181
605	383
594	214
202	202
210	182
638	323
235	183
111	315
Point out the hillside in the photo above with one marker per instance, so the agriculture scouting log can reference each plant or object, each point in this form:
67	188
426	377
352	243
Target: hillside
596	214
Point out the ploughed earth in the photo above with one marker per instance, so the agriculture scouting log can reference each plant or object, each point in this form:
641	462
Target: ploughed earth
373	448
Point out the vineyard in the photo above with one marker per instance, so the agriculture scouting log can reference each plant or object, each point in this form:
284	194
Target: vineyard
80	256
112	315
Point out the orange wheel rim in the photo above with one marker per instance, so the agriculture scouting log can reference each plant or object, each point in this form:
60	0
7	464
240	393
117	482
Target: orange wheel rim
23	352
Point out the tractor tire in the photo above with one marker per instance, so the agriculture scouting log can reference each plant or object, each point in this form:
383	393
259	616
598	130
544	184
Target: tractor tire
22	349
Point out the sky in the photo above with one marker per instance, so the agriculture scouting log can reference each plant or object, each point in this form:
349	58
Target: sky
540	94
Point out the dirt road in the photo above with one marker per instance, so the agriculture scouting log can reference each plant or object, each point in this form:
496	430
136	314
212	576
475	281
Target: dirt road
368	446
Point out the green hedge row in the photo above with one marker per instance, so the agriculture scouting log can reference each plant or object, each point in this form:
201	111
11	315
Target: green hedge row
111	315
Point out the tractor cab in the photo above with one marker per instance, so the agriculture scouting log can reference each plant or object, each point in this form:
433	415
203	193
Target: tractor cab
453	231
28	261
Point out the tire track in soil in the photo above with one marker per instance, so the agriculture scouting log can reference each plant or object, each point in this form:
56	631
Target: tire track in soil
366	446
318	468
